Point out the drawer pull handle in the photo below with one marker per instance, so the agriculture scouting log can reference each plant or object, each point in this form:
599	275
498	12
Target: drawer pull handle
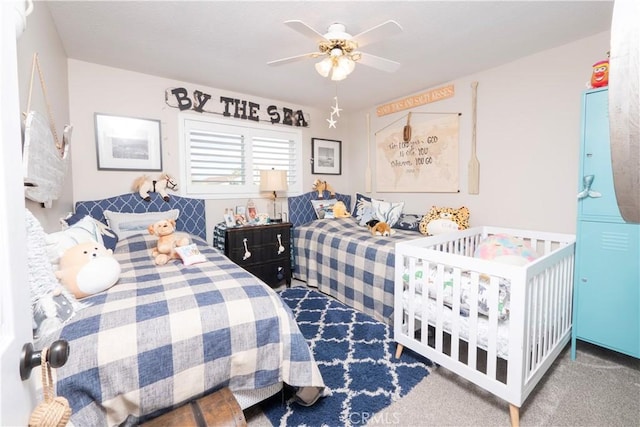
587	181
280	248
247	254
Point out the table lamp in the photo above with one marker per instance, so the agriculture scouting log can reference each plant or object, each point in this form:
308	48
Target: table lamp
273	180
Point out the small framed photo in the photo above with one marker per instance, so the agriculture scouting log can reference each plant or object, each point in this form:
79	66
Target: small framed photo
327	156
127	143
240	220
229	220
241	210
252	213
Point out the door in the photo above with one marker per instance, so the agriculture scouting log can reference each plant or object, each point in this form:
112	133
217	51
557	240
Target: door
607	287
17	397
596	160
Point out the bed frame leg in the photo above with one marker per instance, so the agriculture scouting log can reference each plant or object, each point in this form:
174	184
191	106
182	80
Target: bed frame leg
514	413
399	348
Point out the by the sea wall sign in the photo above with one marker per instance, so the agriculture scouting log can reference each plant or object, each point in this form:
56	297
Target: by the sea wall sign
234	107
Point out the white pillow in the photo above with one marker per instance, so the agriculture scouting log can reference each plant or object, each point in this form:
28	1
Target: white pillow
131	224
386	211
85	230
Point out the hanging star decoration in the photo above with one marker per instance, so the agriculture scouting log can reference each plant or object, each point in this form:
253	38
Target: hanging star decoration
335	111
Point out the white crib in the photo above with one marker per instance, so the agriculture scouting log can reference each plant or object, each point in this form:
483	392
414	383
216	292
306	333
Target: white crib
518	349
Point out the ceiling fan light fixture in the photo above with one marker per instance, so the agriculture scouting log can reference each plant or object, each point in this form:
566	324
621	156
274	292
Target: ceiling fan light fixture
324	67
342	67
336	52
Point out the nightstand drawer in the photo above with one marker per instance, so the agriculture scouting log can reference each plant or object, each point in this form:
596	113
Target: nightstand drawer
263	250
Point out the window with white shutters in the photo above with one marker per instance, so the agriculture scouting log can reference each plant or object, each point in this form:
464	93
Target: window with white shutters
223	159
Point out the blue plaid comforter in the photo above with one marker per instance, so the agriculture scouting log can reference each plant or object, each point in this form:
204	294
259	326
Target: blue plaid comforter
344	260
165	334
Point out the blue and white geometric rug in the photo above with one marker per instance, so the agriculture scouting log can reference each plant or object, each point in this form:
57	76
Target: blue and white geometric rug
356	356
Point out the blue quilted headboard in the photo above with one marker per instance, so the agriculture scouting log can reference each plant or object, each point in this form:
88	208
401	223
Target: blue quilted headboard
191	219
300	208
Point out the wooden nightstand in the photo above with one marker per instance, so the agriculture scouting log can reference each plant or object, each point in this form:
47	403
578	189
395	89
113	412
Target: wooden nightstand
264	250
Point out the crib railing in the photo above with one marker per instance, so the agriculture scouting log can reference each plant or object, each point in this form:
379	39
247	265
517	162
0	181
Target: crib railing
504	356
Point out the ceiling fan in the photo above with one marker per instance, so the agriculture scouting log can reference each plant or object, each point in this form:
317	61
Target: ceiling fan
339	49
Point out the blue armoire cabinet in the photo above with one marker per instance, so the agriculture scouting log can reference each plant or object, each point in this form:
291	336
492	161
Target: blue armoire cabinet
607	269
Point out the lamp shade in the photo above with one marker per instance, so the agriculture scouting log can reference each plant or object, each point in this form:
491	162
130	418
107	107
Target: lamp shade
324	67
273	180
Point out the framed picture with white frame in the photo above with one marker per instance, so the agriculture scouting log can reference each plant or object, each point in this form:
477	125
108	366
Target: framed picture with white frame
327	156
127	143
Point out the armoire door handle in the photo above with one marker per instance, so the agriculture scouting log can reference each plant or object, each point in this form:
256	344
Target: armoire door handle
587	181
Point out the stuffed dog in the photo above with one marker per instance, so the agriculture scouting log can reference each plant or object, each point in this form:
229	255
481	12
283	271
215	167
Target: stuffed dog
167	241
379	228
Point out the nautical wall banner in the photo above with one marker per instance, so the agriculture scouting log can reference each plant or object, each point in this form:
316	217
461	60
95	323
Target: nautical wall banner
421	159
427	97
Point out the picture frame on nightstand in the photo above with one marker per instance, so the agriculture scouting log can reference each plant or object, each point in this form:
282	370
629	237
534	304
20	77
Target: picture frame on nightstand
229	220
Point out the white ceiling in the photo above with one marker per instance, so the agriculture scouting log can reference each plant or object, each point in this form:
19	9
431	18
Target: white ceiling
226	44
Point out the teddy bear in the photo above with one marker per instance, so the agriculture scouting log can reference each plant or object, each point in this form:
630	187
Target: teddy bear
168	240
340	210
88	268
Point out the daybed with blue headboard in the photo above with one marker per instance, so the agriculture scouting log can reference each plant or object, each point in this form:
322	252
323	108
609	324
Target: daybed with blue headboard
342	258
166	334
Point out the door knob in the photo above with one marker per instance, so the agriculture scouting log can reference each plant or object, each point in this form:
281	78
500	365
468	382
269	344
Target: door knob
57	356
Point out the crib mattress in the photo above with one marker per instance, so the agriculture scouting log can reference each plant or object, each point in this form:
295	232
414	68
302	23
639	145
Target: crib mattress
448	318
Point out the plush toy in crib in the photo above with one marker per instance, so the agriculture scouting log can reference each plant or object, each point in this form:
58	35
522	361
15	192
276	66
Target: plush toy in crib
505	249
444	220
168	240
340	210
320	186
143	185
88	268
379	228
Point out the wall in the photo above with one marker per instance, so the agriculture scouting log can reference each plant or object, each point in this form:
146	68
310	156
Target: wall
41	37
528	136
96	88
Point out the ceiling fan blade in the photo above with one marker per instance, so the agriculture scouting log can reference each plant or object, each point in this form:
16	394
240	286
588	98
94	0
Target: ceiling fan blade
295	58
379	32
377	62
305	30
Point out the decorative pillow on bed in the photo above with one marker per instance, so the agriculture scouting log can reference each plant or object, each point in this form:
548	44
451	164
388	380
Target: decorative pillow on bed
84	230
109	237
324	208
505	249
409	222
362	209
52	305
130	224
386	211
444	220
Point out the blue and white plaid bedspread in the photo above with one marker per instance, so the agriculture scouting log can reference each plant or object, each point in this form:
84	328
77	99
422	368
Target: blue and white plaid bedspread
165	334
344	260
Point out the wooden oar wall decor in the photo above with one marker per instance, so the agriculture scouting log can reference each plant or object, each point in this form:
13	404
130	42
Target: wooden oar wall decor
474	164
406	132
